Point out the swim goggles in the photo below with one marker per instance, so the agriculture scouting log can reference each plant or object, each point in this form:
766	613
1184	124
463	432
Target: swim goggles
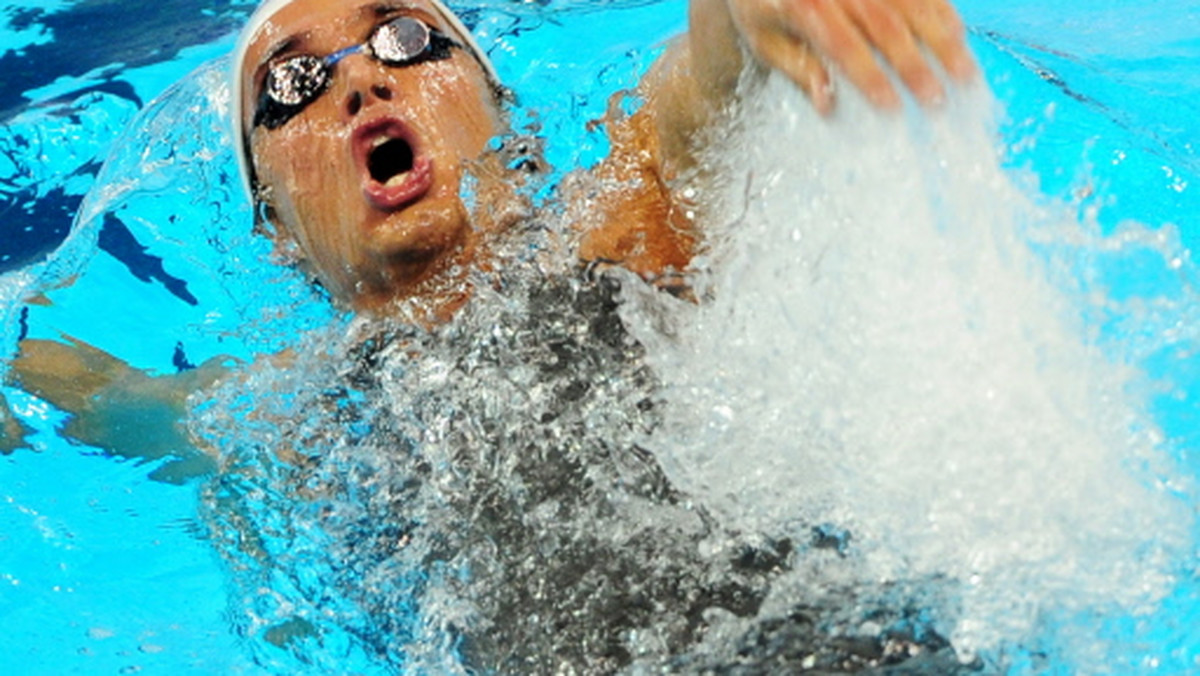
293	83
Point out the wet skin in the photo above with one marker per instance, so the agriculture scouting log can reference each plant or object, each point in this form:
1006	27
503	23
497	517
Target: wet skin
368	238
372	238
371	241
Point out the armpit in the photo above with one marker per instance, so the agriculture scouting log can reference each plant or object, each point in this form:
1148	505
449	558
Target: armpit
629	215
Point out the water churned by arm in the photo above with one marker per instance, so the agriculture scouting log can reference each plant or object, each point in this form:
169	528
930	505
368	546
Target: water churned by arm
901	345
895	430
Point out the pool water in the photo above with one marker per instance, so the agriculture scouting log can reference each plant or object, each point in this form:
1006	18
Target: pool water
109	563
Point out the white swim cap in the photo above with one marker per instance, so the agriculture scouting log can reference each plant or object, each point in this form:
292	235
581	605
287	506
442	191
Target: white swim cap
270	8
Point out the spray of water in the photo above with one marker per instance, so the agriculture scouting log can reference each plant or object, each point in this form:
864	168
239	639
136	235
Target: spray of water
898	347
907	410
894	430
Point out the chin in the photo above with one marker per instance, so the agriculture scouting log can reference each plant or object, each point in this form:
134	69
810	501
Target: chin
423	232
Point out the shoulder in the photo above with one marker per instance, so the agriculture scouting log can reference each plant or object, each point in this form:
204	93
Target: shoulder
628	212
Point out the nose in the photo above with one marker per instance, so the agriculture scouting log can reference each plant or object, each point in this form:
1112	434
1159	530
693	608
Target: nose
364	83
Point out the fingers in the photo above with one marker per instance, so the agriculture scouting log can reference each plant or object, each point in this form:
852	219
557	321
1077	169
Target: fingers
936	24
833	32
802	66
891	35
862	38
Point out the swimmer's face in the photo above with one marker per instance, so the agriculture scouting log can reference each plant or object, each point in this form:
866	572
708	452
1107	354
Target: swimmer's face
365	177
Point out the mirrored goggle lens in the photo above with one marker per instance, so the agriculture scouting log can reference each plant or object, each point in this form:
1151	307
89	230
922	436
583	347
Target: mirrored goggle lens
297	80
400	40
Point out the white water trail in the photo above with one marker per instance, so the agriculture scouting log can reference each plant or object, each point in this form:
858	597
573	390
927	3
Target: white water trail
885	353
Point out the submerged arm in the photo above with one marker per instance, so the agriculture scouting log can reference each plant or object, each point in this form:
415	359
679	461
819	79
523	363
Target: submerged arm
13	432
113	406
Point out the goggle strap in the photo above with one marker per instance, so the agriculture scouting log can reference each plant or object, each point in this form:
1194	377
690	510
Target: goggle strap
343	53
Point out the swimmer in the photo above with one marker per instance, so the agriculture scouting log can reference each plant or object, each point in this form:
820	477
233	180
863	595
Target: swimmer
357	119
357	122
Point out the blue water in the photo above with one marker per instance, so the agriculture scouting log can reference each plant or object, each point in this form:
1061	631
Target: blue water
104	564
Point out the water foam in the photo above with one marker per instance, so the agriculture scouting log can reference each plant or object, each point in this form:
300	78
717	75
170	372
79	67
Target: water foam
895	415
885	354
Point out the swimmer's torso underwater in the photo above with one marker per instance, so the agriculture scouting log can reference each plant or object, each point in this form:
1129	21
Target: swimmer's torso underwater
786	373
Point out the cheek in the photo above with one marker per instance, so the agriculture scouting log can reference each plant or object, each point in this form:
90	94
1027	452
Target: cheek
302	169
294	153
481	119
462	104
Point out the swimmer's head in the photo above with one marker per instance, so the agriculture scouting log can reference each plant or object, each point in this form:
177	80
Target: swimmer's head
356	119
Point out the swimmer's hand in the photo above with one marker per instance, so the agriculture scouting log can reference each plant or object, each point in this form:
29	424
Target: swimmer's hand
646	226
863	39
114	407
696	79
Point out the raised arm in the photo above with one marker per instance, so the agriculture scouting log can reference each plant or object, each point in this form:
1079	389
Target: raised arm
644	226
805	40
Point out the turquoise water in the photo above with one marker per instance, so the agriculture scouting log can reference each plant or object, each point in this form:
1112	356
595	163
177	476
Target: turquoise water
107	566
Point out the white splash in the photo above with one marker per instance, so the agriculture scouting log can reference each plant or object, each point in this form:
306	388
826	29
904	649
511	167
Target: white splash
884	352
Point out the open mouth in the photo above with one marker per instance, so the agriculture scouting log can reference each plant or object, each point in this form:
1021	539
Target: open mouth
395	173
390	160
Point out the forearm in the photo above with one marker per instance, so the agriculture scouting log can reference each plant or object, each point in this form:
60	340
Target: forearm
874	44
647	226
694	81
112	406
